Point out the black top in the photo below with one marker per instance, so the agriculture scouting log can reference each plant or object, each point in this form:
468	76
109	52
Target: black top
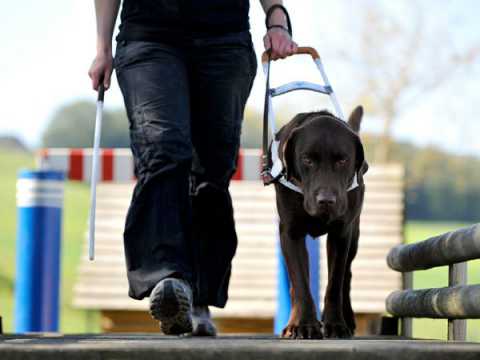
172	20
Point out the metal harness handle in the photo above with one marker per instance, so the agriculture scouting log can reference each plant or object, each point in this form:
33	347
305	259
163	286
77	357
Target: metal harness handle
268	117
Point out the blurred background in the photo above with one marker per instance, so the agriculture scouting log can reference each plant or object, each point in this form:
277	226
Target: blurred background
413	65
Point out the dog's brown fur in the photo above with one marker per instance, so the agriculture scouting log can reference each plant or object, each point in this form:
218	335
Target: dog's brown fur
321	153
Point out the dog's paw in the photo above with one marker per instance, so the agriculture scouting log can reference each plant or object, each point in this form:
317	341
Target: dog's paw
336	330
303	331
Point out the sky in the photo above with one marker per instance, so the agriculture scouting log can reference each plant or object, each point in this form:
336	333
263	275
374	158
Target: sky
46	52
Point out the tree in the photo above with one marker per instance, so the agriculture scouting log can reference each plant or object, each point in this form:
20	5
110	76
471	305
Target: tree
73	126
399	59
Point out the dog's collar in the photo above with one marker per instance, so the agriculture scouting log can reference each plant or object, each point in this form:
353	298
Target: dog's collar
278	172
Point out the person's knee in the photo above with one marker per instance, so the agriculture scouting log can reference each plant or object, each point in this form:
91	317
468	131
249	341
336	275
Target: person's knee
158	142
216	164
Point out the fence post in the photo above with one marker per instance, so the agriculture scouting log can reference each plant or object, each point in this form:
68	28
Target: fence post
457	275
407	323
283	294
39	225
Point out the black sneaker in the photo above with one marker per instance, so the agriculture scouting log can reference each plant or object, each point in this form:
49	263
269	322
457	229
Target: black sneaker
171	304
202	322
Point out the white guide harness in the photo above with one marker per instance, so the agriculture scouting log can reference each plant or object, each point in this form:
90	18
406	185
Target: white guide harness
277	171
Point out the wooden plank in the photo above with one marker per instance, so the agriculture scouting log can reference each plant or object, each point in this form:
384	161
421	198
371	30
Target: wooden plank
260	228
103	269
246	217
249	325
250	265
261	220
249	282
108	303
367	240
89	283
257	293
379	209
250	249
261	232
239	309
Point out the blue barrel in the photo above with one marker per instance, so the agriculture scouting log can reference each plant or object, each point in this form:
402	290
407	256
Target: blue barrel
283	284
39	228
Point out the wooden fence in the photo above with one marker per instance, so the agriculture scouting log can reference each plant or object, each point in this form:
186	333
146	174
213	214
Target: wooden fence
456	302
102	284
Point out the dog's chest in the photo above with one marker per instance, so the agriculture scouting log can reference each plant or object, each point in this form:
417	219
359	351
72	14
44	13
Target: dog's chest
316	227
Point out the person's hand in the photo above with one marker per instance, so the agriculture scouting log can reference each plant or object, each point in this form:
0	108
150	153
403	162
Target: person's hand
280	43
101	69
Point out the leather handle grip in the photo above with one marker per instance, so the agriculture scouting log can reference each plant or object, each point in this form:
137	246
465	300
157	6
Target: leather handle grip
302	50
101	91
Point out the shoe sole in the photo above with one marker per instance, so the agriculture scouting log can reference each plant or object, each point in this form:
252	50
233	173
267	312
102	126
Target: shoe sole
171	306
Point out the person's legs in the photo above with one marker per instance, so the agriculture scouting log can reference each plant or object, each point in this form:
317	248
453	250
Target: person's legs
221	70
157	238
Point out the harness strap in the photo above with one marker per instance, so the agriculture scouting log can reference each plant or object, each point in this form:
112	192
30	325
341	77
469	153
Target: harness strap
289	185
294	187
277	172
266	175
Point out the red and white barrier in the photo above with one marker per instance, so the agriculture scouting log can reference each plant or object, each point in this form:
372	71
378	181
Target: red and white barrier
116	165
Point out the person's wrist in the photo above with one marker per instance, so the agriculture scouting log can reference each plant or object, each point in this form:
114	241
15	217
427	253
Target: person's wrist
278	28
104	49
277	17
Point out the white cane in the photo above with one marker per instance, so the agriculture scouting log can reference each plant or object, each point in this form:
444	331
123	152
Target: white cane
94	178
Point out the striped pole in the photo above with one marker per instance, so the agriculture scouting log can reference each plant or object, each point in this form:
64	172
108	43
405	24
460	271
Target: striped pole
116	165
39	224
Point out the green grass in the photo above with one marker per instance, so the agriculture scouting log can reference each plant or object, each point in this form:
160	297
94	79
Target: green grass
438	277
75	215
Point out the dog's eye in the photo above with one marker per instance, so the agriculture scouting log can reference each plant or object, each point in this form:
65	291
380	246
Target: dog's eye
307	161
341	162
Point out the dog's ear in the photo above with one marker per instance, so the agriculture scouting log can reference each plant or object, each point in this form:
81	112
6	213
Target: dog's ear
286	138
287	154
361	165
355	119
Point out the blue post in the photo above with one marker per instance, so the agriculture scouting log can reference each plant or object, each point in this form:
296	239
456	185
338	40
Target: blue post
283	294
39	225
313	248
283	285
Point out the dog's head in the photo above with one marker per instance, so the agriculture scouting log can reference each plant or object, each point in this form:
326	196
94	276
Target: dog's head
322	154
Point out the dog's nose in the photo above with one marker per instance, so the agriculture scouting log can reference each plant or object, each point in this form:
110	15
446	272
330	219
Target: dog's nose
326	199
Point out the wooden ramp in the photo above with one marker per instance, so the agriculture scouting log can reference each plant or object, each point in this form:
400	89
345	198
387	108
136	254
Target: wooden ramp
102	284
148	347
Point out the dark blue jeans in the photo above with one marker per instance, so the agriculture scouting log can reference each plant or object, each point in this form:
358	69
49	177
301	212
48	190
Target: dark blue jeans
185	106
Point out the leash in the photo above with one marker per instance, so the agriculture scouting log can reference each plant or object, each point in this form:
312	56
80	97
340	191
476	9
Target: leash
273	170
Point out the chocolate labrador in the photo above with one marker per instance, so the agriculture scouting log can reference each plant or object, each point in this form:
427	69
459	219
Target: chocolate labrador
323	157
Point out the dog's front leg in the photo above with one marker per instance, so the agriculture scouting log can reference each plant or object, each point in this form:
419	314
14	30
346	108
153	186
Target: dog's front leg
348	313
303	323
338	245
